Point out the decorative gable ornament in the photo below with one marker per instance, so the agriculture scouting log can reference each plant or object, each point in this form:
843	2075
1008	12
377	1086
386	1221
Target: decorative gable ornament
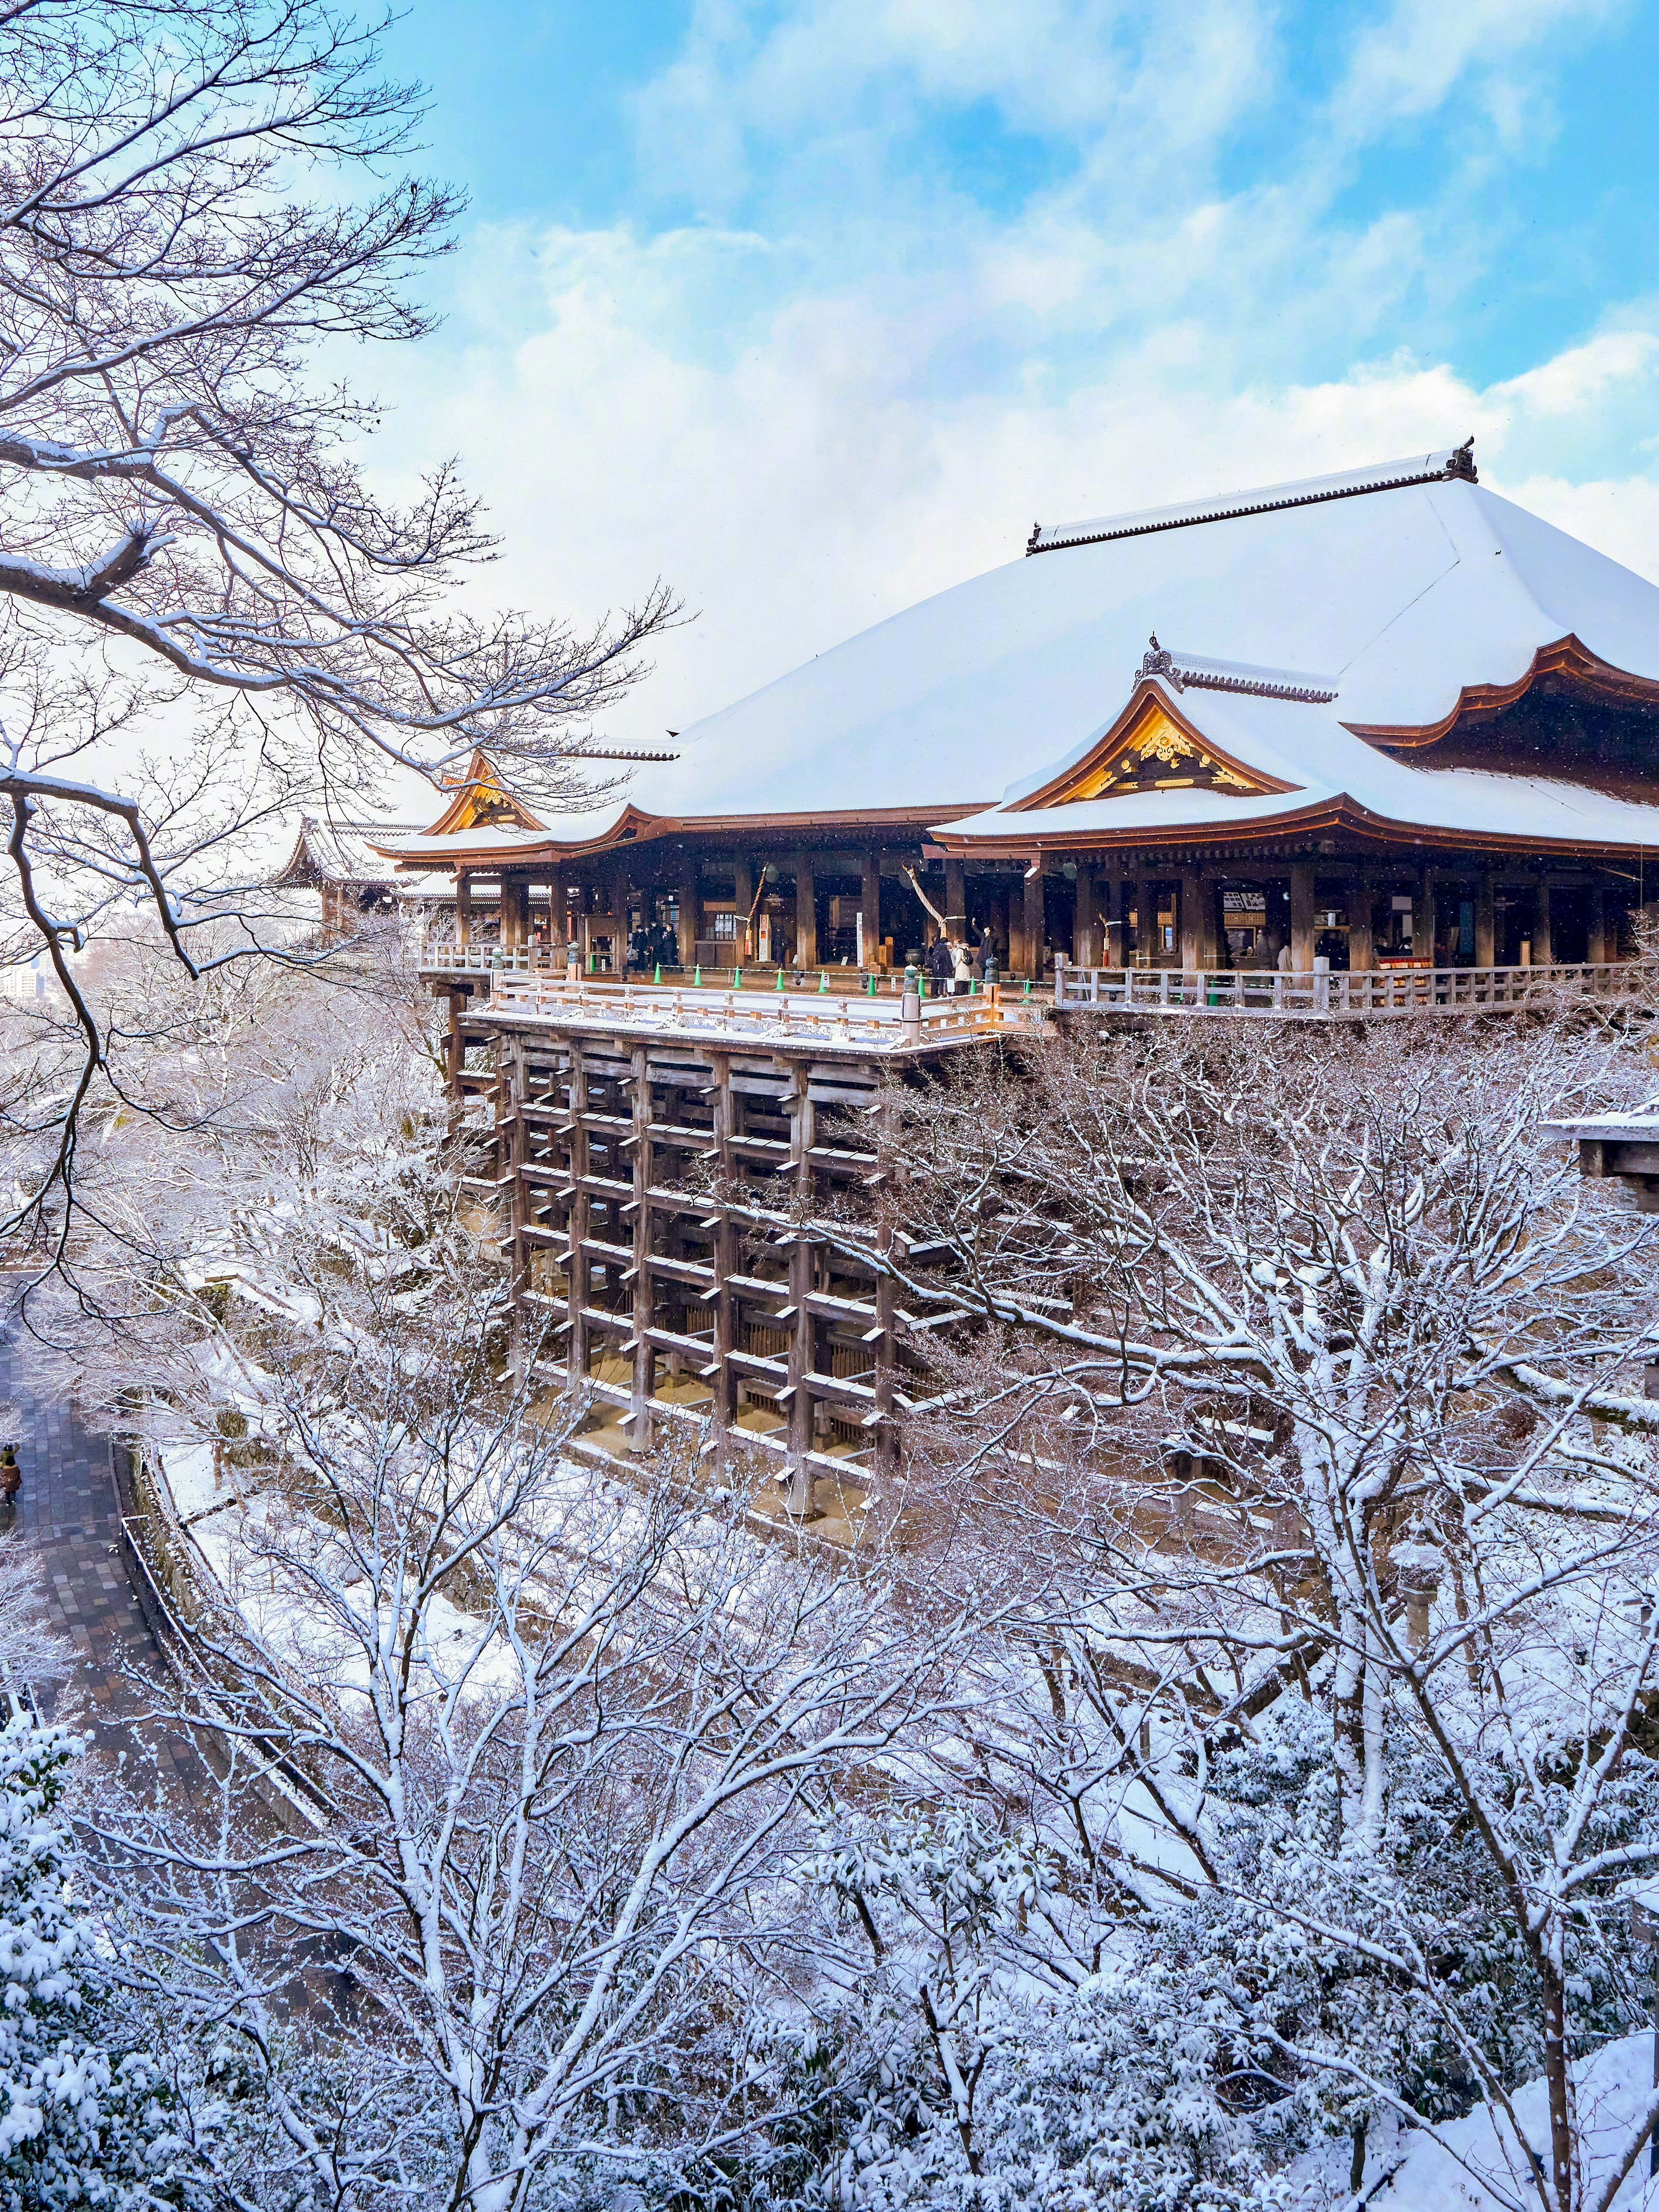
482	800
1151	747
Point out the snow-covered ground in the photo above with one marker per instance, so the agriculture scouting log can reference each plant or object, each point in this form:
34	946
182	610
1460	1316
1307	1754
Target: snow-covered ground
1473	2166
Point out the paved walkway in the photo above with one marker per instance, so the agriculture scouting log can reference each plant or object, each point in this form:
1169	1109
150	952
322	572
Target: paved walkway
68	1506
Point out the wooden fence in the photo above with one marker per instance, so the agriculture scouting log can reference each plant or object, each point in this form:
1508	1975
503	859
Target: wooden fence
1362	992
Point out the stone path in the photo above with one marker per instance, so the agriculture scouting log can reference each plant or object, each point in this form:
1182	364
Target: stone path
68	1506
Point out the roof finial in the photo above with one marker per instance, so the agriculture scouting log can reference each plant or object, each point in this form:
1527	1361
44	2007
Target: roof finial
1460	462
1031	541
1159	662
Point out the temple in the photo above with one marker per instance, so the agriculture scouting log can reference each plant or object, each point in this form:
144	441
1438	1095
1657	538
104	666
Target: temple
1378	744
341	862
1394	721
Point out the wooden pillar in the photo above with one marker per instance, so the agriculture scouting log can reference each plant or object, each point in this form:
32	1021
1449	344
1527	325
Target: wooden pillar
1361	909
1035	935
640	1084
807	914
1425	921
1109	925
1486	919
463	907
1148	949
726	1246
456	1052
1302	918
1197	920
1085	930
690	922
511	1150
870	904
743	894
955	900
576	1265
1597	948
1543	952
798	1495
515	905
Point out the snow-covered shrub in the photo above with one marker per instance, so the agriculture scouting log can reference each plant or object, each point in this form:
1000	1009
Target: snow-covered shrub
86	2118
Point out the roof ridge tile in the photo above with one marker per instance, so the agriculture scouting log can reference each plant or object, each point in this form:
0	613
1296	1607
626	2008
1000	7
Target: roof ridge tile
1457	464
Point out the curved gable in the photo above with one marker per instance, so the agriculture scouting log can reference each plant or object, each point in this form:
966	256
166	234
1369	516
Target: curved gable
1152	746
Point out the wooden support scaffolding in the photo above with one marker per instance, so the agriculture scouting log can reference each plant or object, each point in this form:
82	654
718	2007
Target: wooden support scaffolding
654	1190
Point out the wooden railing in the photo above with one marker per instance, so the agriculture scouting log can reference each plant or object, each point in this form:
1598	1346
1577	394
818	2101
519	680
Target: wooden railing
447	957
1363	991
880	1024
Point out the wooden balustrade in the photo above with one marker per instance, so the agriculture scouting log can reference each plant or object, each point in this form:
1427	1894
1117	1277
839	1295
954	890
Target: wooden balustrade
1367	992
820	1017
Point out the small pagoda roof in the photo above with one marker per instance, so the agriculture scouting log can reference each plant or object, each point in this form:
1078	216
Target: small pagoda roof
337	852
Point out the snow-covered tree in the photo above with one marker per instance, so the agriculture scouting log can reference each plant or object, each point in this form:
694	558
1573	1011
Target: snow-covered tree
532	1757
1302	1387
207	612
96	2108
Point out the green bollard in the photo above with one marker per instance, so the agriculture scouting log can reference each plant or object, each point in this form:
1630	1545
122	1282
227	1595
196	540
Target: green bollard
973	987
657	978
592	959
870	985
823	982
696	976
737	979
780	979
1027	992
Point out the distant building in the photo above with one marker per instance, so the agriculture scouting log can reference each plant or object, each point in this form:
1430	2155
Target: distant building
355	880
28	981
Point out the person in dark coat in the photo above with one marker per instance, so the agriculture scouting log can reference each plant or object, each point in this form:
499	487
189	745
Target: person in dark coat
940	966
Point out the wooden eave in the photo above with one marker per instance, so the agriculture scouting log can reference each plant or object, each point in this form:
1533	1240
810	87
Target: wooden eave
1568	656
299	871
1147	698
1339	814
634	826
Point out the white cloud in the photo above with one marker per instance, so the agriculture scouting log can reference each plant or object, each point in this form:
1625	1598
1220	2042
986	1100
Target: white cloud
806	488
1572	380
859	386
1410	62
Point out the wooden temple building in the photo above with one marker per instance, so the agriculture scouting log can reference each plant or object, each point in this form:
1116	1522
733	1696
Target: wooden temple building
340	861
1383	743
1393	719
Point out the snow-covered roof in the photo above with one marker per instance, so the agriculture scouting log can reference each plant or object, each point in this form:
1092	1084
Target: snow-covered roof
1406	593
339	853
1330	772
487	839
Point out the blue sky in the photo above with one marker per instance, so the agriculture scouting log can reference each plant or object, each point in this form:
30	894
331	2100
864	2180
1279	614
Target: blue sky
813	307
